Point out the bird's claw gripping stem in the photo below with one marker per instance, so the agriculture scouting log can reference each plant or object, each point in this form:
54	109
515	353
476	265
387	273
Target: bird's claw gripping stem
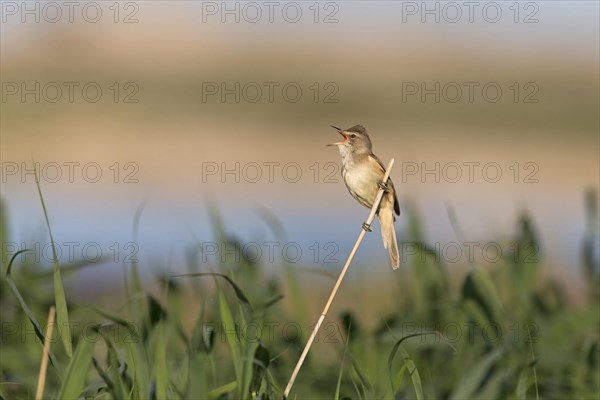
383	186
367	227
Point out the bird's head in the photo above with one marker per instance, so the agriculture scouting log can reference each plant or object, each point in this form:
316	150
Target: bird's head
355	139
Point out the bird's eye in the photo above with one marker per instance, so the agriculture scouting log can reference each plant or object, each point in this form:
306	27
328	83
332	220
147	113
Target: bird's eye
353	136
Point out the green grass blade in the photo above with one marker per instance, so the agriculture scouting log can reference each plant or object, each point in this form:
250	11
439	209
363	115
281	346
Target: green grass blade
136	357
408	363
32	319
62	313
259	368
77	371
467	387
494	384
232	339
399	376
533	363
415	377
12	260
128	325
139	367
522	385
196	379
246	351
338	385
133	283
160	364
360	373
239	293
114	364
104	376
220	391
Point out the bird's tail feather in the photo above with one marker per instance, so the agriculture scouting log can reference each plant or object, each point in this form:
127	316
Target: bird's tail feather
388	233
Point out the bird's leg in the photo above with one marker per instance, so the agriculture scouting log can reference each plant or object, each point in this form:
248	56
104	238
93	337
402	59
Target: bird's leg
383	186
367	227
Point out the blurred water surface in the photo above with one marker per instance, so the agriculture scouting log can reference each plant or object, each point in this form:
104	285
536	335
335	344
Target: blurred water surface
163	147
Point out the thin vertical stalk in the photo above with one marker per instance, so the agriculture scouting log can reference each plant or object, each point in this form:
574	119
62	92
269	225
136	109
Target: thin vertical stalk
339	281
44	365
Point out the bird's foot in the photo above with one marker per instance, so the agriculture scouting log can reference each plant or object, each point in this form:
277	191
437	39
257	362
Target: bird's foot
383	186
367	227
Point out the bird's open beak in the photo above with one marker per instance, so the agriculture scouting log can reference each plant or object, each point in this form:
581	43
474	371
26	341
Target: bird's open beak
341	133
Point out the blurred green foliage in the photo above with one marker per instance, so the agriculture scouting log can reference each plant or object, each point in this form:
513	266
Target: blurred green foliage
503	331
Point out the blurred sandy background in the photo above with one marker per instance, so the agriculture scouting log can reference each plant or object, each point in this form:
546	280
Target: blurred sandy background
171	133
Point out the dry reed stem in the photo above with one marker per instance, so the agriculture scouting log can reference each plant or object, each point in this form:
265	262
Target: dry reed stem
44	364
338	283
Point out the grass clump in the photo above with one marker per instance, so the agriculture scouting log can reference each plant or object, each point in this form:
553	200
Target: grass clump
493	331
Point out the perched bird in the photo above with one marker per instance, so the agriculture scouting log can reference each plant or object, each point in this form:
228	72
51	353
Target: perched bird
363	174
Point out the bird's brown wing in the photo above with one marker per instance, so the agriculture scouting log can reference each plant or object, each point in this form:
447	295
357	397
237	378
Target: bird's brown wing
389	182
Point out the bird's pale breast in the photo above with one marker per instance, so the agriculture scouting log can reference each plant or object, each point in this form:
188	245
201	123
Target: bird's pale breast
361	180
